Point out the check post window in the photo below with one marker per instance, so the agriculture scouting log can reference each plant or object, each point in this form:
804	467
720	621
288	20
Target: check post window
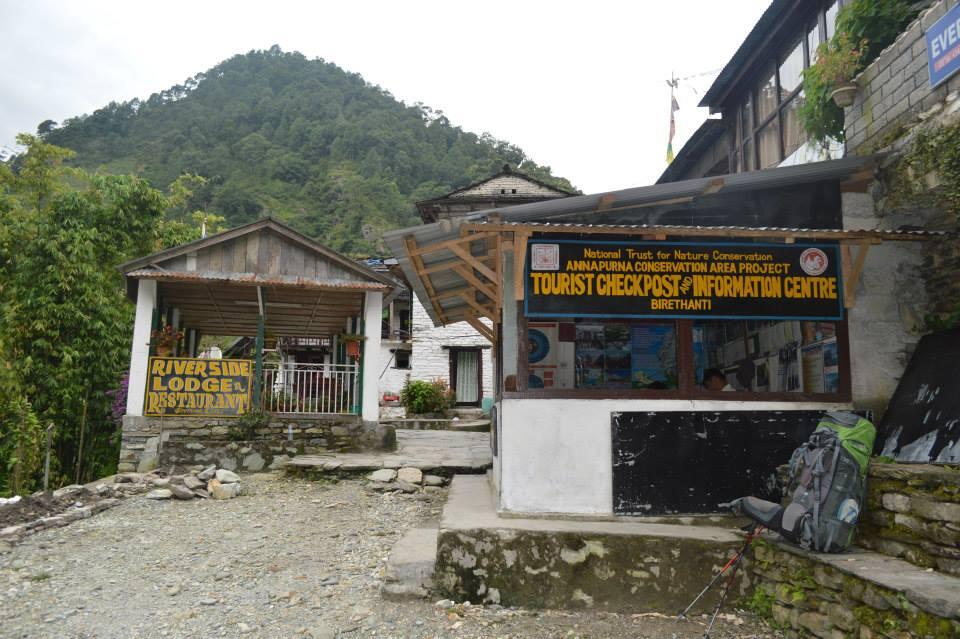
766	356
598	354
754	317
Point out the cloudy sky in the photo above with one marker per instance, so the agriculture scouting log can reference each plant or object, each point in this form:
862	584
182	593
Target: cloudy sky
580	86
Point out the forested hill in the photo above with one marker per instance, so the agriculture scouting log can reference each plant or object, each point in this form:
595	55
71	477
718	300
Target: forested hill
302	140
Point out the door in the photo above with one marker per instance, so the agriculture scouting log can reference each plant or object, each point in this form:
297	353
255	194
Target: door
465	376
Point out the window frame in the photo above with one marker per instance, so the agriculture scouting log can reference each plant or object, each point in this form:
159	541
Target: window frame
748	98
687	386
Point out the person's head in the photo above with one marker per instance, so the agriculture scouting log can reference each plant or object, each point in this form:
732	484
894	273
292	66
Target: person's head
714	379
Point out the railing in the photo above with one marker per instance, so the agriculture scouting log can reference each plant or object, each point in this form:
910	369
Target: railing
310	388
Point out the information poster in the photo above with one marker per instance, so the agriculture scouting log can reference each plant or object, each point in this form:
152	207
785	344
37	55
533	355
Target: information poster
186	386
574	278
654	362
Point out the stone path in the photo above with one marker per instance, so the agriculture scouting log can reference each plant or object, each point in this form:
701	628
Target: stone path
288	558
453	452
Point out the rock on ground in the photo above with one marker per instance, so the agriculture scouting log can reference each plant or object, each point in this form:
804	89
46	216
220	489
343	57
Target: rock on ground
383	475
291	558
410	475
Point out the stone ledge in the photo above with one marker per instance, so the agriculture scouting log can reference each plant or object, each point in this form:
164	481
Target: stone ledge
857	594
560	563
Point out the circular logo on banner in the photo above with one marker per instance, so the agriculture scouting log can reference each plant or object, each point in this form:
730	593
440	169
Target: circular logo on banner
539	345
813	261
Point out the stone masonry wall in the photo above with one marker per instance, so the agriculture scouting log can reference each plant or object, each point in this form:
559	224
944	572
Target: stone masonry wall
895	102
895	88
148	442
430	359
913	512
807	597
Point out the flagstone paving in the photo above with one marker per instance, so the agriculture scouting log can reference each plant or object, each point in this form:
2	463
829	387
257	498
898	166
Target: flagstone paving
435	450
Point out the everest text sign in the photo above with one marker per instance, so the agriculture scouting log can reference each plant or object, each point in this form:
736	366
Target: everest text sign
570	278
207	387
943	47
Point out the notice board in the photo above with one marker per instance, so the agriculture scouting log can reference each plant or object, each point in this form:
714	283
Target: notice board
582	278
674	462
922	422
185	386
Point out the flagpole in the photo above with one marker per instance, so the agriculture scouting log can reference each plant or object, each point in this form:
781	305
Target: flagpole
674	107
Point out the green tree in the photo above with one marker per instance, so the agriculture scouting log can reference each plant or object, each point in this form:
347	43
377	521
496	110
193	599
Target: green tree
64	320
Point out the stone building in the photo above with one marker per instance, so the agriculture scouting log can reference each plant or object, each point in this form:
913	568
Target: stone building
757	95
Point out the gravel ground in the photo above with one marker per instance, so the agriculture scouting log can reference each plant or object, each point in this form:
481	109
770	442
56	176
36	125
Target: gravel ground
290	558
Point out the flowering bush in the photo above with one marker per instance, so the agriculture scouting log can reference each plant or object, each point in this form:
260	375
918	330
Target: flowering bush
118	400
166	336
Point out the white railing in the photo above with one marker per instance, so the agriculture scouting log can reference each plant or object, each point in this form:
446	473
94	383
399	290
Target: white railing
310	388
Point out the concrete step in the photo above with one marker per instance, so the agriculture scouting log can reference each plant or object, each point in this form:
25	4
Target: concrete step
409	571
617	565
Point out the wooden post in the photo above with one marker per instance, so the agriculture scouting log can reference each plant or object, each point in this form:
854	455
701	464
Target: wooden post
258	353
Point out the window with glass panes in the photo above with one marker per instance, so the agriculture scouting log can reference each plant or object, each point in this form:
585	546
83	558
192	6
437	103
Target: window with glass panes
768	125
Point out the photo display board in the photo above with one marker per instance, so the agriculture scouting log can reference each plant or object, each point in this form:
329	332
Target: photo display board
185	386
575	278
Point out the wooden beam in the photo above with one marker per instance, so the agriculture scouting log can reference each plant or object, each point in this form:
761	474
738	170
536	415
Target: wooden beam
417	262
480	308
498	258
446	265
468	275
519	263
480	327
852	269
447	244
473	261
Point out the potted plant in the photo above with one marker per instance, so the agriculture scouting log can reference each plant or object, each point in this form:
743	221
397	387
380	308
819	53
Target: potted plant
352	343
164	339
838	61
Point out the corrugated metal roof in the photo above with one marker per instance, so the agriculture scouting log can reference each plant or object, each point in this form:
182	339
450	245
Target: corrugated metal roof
585	206
679	230
253	279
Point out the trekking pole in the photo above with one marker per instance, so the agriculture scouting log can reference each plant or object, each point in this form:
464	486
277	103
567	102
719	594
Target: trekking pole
733	573
733	560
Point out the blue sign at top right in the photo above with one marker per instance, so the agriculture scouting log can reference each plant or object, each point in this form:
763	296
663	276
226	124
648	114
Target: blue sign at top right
943	47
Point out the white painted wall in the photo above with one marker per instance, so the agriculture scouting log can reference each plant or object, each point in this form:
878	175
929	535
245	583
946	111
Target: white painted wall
430	359
372	315
140	349
392	379
556	454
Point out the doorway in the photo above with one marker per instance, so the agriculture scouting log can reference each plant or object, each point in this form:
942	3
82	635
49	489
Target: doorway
466	376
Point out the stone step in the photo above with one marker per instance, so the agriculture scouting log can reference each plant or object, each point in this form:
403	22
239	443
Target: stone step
462	424
615	565
437	452
409	571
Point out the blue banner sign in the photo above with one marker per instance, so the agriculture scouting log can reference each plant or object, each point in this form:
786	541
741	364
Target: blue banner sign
943	47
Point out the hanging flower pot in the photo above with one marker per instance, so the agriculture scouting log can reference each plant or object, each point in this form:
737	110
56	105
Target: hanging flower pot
164	350
352	344
844	95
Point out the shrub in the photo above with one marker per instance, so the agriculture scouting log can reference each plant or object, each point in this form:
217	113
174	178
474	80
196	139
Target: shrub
864	29
245	427
419	396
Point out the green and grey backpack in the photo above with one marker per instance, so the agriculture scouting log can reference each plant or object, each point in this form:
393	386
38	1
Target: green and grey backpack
826	488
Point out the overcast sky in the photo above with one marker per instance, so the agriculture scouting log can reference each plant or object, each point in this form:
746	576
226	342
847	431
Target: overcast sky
580	86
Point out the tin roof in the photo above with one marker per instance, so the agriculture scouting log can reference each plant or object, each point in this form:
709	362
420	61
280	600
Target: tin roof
255	279
436	277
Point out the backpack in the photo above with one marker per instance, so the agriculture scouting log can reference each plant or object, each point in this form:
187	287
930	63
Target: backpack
826	488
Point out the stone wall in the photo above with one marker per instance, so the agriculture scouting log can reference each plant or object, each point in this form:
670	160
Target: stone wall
913	512
826	596
895	88
896	102
431	360
149	442
890	303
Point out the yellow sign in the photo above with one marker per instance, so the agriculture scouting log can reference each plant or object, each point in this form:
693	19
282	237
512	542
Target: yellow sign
186	386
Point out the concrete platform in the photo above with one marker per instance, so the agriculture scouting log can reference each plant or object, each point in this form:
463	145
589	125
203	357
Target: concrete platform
438	451
619	565
409	571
